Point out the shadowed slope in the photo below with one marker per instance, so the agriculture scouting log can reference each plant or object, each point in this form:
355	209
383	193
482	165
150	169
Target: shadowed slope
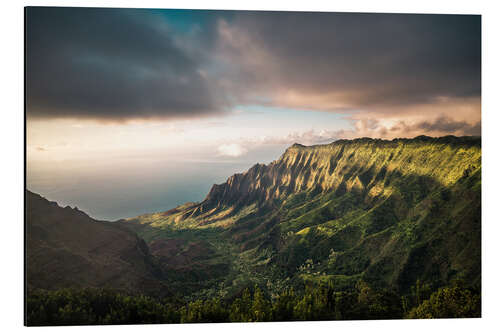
67	248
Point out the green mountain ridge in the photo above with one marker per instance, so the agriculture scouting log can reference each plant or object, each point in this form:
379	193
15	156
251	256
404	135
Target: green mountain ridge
386	212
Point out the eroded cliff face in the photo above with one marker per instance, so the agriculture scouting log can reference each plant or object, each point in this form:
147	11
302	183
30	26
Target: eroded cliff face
369	166
389	212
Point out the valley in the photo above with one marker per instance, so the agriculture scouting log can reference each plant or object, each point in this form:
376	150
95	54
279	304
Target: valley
388	215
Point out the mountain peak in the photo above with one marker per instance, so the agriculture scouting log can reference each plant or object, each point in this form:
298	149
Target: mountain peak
364	165
358	207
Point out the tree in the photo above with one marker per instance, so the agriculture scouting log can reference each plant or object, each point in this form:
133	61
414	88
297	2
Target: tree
449	302
283	305
261	308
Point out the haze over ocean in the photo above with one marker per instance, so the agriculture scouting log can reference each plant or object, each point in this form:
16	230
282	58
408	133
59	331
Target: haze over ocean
130	187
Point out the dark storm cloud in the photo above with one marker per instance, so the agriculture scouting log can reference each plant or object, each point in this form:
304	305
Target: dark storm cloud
337	60
122	64
111	64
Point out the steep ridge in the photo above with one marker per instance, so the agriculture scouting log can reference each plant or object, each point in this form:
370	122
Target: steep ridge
345	165
66	248
364	165
388	212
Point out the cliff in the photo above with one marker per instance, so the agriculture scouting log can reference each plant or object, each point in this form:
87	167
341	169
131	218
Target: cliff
388	212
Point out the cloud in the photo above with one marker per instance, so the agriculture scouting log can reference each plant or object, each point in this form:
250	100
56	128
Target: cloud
377	128
231	150
365	127
125	64
244	145
309	137
448	125
113	64
394	128
352	61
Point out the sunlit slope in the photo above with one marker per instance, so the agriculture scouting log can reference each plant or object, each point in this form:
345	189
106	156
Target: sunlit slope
374	168
386	211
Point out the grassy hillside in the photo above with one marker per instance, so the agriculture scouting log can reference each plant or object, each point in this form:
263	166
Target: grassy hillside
386	212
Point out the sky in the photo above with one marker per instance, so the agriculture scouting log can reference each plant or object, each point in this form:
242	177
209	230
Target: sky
130	111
